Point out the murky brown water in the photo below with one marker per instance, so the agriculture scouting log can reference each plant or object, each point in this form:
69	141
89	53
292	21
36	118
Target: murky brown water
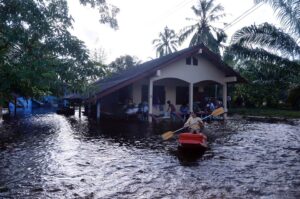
57	157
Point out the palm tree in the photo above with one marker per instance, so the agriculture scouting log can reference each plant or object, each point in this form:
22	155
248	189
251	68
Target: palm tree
166	43
268	43
203	31
274	51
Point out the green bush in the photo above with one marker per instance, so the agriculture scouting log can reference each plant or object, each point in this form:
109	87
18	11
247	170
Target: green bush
294	98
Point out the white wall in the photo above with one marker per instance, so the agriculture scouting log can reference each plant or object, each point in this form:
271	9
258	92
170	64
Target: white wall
180	74
202	72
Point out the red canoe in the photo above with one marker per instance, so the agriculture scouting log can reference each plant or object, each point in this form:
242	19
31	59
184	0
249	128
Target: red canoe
190	140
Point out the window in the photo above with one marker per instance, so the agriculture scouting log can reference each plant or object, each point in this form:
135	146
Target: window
182	95
188	61
159	94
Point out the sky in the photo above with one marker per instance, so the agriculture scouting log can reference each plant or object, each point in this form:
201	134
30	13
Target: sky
140	22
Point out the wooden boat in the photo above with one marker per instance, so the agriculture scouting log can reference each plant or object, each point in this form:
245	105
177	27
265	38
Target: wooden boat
193	141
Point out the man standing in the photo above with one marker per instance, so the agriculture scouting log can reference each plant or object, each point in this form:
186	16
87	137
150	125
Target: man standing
172	110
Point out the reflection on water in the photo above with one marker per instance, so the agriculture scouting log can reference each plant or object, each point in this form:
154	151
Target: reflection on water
58	157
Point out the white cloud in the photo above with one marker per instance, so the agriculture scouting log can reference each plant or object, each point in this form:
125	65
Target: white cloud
140	21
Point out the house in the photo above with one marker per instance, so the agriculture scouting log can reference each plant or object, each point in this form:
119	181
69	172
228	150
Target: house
180	77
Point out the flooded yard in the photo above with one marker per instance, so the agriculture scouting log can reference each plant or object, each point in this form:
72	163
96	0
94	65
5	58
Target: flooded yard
52	156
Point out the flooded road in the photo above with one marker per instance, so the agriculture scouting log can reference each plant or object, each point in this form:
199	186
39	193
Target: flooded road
52	156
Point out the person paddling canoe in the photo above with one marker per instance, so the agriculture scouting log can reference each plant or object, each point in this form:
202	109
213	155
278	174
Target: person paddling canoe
194	123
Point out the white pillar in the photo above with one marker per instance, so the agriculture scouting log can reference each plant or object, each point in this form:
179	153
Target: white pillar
150	100
216	91
191	96
98	110
79	110
225	98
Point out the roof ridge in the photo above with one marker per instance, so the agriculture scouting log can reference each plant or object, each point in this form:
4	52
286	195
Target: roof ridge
135	67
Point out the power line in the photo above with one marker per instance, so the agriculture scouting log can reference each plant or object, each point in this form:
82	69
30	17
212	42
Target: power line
174	10
171	11
243	15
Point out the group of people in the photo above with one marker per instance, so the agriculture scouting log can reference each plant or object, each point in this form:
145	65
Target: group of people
191	118
141	110
200	109
184	114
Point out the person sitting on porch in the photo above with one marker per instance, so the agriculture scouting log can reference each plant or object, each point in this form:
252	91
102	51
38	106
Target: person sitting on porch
211	105
184	111
130	108
219	104
194	123
172	110
144	110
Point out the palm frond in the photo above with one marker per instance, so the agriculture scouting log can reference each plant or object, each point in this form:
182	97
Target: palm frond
191	19
212	43
267	36
217	9
186	32
213	18
207	5
155	41
257	54
288	12
196	11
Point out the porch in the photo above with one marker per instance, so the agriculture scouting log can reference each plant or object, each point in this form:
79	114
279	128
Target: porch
195	96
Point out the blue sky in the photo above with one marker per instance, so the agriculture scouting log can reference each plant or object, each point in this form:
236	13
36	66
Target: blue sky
140	21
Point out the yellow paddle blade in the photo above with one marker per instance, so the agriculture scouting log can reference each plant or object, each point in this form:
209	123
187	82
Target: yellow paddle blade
167	135
218	111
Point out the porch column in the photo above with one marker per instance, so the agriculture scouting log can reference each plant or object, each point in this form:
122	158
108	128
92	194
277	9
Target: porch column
150	100
225	99
216	91
191	96
79	110
98	110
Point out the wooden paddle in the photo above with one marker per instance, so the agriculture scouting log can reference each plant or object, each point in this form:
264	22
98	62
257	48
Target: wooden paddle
167	135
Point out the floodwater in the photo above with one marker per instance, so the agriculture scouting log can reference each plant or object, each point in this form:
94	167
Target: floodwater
52	156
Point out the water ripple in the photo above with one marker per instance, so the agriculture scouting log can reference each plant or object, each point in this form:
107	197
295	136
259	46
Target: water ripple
52	156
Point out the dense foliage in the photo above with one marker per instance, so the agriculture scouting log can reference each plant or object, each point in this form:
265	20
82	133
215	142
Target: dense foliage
269	56
268	85
38	55
122	63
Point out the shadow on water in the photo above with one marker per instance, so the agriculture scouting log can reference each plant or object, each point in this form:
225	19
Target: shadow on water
188	157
